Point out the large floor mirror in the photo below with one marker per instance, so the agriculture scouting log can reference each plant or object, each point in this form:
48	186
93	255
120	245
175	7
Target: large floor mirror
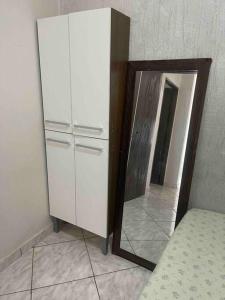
161	126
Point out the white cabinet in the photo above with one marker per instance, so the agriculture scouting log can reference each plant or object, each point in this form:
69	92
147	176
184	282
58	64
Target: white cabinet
91	159
83	59
53	34
61	175
90	36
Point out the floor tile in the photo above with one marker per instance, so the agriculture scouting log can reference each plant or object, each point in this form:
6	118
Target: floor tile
136	213
161	214
144	230
167	227
150	250
59	263
138	203
154	202
105	263
163	192
151	201
17	277
123	236
84	289
122	285
126	246
17	296
68	232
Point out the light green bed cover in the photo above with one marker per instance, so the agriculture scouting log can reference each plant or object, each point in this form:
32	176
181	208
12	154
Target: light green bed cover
192	266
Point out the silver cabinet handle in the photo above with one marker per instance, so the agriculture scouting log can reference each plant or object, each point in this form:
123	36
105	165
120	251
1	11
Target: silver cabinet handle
58	141
88	127
89	147
57	122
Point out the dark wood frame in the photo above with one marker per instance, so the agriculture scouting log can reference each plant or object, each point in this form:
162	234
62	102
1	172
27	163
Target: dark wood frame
202	67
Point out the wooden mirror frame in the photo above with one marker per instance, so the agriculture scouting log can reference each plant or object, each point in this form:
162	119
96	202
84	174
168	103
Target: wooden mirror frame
202	67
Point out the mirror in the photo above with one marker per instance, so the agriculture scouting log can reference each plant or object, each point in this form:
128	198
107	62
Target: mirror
163	103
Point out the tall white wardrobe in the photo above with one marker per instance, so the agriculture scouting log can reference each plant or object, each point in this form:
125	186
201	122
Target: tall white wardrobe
83	59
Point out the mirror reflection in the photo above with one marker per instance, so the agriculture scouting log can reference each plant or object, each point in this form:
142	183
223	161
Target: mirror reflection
161	117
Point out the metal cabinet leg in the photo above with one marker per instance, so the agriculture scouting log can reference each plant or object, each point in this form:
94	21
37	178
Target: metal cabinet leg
105	245
56	224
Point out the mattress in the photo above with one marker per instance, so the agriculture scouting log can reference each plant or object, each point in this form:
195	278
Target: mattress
193	264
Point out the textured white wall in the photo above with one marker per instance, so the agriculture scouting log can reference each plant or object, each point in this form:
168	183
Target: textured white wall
184	29
179	134
23	188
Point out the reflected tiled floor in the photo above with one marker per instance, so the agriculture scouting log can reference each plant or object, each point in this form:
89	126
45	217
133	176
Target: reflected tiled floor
149	221
70	265
150	250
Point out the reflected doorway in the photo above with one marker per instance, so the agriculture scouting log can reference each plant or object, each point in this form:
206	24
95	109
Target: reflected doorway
164	132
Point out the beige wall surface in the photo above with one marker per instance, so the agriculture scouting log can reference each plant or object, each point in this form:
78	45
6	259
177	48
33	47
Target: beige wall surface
23	188
184	29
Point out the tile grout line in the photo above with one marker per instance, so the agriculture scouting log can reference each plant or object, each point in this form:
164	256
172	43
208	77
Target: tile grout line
32	289
93	276
32	271
164	231
75	280
12	293
44	245
91	266
59	283
132	247
141	241
133	240
135	267
129	242
149	214
155	221
79	239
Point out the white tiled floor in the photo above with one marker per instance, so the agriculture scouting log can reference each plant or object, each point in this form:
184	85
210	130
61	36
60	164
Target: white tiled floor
69	265
149	221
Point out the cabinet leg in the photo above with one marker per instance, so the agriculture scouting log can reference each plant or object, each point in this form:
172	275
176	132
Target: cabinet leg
56	224
105	245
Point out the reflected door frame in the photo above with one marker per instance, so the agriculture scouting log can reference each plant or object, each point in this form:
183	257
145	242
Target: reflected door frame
157	176
144	117
202	67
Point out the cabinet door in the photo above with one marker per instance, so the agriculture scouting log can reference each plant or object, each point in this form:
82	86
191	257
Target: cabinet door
61	175
53	34
90	71
91	156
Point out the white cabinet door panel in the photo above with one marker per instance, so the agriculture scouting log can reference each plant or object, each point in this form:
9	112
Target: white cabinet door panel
91	158
61	175
53	34
90	71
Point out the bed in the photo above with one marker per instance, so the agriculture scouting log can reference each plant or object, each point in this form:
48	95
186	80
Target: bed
193	264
